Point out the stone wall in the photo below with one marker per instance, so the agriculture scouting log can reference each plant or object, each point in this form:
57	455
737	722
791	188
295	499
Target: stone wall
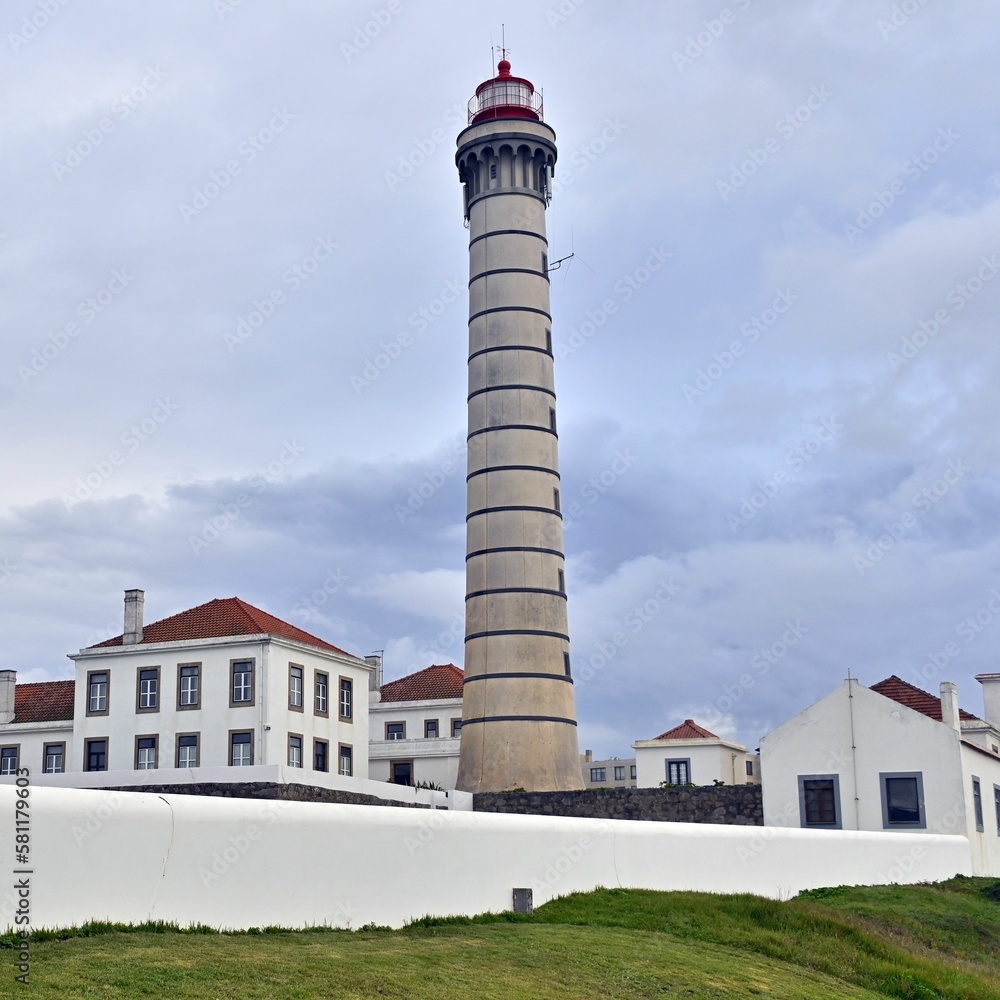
734	805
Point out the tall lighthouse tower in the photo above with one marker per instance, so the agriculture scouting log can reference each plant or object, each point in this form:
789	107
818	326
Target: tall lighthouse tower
518	715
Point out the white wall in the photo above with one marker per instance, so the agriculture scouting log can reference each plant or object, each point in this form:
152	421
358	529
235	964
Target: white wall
277	773
710	761
131	857
887	737
985	844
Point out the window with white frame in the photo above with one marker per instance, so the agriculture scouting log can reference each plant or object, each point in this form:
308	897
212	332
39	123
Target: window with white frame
346	764
996	805
188	685
294	750
819	801
145	753
187	750
322	693
678	771
977	803
346	699
902	799
430	729
242	687
456	727
395	730
148	689
295	687
8	759
54	758
97	693
241	749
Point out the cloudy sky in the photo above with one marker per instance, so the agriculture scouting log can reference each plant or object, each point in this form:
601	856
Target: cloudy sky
233	308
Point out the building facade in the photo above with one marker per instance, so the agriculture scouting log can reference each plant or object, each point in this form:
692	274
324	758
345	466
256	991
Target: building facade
891	757
689	754
415	728
222	684
615	772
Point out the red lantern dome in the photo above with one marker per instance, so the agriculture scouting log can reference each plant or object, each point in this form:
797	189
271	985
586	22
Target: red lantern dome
505	96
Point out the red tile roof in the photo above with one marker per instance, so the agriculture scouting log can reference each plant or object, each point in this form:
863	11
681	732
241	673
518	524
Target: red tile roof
687	730
221	617
441	680
912	697
46	701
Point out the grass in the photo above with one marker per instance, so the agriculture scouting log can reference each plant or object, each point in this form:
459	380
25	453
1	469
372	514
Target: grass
921	942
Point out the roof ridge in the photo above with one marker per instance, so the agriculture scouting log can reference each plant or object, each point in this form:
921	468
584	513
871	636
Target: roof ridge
221	617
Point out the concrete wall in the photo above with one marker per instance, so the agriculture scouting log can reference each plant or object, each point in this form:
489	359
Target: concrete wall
738	805
131	857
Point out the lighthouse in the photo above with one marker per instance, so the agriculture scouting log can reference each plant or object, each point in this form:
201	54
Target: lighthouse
518	714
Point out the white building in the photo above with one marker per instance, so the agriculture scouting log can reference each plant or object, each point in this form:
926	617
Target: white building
615	772
36	724
415	723
690	754
890	757
222	684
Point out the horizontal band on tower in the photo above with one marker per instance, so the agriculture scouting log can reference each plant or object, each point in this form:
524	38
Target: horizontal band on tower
506	190
495	388
517	631
508	232
508	270
507	309
512	427
513	468
509	507
517	718
516	590
519	673
514	548
510	347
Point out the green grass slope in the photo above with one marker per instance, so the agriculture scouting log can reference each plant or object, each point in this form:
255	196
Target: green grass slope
921	942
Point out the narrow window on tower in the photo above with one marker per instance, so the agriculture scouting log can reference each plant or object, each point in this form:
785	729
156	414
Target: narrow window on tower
552	418
545	263
555	499
548	341
569	673
493	171
562	581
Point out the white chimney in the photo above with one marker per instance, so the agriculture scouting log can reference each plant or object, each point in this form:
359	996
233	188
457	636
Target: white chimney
8	680
134	600
991	697
375	677
949	705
